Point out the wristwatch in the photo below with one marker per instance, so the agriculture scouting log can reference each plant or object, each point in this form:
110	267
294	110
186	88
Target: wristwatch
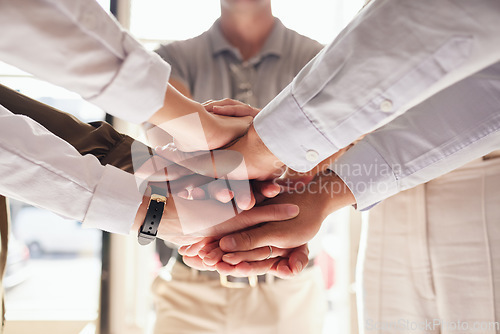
149	228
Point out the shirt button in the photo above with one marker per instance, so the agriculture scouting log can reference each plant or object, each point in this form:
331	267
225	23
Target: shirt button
386	106
312	155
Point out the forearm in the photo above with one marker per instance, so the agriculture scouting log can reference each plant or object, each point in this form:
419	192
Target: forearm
107	66
98	138
338	196
326	193
356	85
193	127
459	124
76	187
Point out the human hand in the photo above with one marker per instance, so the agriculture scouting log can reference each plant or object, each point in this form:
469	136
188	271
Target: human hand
244	251
246	158
283	263
230	107
201	163
193	127
322	196
187	221
184	183
244	194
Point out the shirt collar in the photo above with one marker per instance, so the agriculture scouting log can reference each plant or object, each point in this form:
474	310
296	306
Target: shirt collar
272	46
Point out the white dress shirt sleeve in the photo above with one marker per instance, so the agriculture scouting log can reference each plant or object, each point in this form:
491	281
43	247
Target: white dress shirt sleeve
457	125
77	45
392	56
41	169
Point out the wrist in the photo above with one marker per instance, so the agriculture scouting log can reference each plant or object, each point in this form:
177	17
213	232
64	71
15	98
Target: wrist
183	119
150	215
258	156
330	193
340	195
169	224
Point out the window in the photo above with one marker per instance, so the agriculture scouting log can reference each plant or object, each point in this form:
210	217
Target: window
153	21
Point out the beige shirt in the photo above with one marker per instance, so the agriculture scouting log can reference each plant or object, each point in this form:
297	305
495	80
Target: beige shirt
211	68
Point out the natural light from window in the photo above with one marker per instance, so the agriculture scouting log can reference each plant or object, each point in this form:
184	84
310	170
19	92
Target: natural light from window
167	20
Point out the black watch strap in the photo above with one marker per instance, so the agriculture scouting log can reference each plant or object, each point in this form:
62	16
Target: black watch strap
149	228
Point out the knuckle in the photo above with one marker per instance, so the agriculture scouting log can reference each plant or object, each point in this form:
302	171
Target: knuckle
247	239
277	212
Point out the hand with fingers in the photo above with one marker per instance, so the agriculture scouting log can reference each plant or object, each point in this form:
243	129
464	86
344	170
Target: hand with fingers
186	221
245	251
283	263
215	165
200	206
230	107
252	159
188	184
325	194
247	152
193	127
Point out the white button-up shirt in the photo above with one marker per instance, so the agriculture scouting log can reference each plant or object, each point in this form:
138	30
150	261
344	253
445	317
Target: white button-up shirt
75	44
457	125
391	57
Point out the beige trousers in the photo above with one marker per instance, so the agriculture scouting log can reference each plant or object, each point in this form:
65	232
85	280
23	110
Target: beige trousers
431	262
195	304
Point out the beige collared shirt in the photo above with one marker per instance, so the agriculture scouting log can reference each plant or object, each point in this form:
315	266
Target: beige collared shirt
211	68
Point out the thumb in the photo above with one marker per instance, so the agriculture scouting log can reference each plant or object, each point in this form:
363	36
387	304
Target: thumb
215	164
298	259
269	234
296	262
235	110
255	216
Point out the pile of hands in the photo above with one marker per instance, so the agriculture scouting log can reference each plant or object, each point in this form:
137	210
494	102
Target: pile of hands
232	205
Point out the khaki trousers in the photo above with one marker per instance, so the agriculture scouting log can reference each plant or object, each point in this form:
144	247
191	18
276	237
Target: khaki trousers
190	303
431	262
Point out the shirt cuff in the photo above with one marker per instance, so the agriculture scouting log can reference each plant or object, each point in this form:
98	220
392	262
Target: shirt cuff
115	202
366	173
290	135
138	89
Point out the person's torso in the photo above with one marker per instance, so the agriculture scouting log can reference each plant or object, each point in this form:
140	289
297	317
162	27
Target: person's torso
222	73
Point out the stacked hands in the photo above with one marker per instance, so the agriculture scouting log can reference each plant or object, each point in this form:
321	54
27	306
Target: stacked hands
233	206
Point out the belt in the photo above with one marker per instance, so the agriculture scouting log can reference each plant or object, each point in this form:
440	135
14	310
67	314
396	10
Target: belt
234	282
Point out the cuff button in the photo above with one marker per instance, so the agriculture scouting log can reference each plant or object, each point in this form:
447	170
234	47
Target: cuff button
386	106
312	155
